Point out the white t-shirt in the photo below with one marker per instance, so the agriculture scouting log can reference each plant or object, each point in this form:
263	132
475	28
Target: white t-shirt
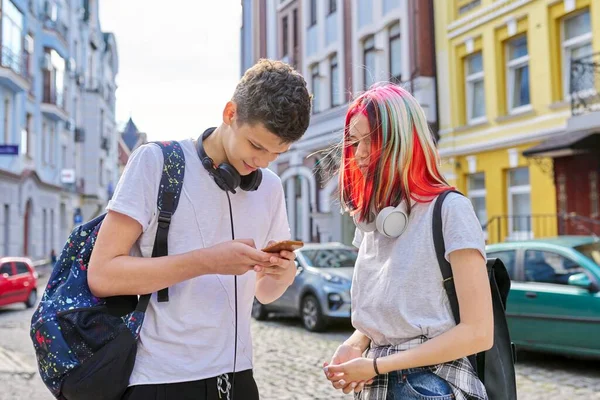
397	290
191	337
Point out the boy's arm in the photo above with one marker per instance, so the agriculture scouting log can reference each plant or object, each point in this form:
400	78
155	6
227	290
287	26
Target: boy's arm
113	272
271	282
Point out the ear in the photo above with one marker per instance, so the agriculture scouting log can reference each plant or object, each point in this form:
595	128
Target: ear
229	112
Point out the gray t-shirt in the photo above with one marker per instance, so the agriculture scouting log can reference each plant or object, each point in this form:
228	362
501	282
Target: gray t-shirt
192	336
397	291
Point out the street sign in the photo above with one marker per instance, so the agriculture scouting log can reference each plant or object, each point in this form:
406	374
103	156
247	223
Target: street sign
67	176
9	149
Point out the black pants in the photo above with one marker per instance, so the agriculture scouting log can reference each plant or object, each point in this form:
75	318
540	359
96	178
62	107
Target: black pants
205	389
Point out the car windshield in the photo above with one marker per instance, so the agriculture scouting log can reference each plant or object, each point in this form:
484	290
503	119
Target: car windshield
591	251
330	258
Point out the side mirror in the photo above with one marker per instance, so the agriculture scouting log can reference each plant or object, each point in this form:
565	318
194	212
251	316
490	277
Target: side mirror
581	280
3	276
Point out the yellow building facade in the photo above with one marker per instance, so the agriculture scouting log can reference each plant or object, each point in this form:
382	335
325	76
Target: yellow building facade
503	86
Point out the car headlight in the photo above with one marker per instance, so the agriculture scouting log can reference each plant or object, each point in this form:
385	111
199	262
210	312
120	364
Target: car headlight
333	278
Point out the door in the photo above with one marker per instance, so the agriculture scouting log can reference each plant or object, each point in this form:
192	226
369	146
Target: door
550	313
7	285
22	281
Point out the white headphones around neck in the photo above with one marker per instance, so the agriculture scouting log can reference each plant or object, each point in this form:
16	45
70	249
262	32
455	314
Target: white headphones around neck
391	222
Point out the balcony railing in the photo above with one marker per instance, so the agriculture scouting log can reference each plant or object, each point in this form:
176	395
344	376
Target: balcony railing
57	26
18	63
584	84
53	97
522	227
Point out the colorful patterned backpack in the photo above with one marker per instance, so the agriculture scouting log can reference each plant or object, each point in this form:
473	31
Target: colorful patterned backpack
85	345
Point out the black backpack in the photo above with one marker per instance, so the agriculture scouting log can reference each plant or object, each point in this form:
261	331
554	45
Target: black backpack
495	367
86	346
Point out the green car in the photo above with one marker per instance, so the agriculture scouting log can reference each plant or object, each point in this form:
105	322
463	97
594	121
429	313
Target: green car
554	300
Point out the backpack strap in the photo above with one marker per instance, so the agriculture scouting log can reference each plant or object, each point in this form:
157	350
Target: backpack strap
446	268
167	201
440	250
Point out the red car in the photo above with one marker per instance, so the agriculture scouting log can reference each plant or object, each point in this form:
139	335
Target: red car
18	281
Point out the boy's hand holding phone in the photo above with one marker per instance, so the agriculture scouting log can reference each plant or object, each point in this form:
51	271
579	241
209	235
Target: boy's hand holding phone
282	260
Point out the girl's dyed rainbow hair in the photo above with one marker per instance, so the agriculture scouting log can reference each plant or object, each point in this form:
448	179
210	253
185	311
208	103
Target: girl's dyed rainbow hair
403	162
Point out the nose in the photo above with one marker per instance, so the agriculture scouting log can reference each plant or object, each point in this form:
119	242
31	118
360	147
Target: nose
264	161
361	151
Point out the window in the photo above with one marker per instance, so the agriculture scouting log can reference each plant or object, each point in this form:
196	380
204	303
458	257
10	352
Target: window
548	267
101	123
330	258
52	228
475	90
91	72
6	122
518	73
21	268
54	79
369	61
44	142
395	54
519	204
28	52
332	6
6	229
44	231
28	140
52	144
101	173
591	251
577	43
477	193
508	259
12	37
24	141
313	12
63	157
285	39
6	268
314	79
295	32
334	81
465	6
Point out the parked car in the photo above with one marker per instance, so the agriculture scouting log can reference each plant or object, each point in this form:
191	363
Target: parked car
554	301
18	281
321	291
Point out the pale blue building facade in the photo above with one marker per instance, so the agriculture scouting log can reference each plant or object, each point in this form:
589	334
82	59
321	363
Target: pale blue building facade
57	121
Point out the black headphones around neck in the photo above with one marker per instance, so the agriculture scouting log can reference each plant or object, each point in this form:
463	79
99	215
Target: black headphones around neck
225	175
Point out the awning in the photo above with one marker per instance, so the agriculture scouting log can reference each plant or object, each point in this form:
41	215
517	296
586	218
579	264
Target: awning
567	143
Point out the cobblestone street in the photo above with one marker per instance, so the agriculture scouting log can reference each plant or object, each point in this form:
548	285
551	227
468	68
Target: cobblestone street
289	358
288	364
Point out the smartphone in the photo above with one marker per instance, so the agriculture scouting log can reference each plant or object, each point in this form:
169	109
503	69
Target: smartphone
288	245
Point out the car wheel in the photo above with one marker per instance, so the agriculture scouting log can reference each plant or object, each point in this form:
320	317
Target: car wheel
30	303
312	316
259	311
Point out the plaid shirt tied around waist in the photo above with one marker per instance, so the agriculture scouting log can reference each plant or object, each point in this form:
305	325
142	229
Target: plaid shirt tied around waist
459	374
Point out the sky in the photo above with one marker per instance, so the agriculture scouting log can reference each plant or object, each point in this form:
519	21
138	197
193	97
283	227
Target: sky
179	62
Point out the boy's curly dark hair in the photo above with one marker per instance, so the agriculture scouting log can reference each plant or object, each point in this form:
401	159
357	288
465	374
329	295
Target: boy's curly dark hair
274	94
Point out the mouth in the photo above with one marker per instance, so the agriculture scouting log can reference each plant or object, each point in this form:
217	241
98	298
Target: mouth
249	168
